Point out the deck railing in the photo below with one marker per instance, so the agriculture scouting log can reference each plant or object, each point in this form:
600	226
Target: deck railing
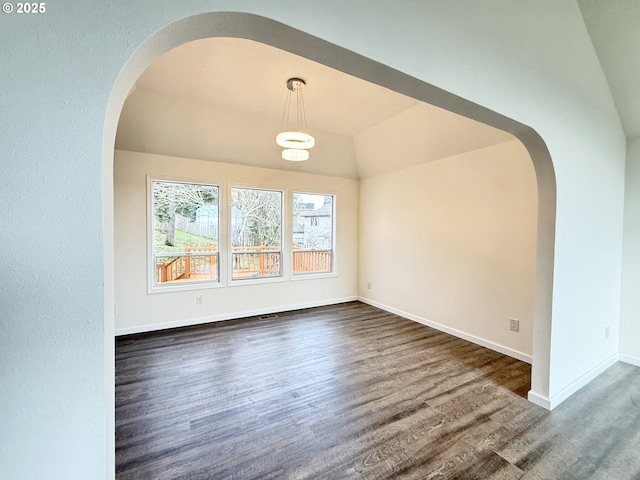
256	261
201	263
307	261
195	263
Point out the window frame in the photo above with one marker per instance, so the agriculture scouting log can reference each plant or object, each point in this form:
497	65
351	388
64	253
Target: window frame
283	275
334	235
153	287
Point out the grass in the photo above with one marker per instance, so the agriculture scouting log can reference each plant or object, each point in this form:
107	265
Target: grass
181	240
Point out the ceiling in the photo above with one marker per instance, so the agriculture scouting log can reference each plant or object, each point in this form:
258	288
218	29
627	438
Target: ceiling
221	99
614	27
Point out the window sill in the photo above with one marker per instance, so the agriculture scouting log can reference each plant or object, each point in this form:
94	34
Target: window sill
312	276
185	287
256	281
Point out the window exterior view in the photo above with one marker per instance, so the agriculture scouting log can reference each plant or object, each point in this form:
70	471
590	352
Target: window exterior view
256	233
185	230
312	233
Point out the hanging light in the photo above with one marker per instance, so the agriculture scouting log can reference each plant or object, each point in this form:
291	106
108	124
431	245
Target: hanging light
295	154
294	140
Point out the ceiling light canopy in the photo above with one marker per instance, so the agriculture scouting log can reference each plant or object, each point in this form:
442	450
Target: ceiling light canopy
294	139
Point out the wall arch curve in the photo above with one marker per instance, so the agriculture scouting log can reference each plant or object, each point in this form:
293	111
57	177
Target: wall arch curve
284	37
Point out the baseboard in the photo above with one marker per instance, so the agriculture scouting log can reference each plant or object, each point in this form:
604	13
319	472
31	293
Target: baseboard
451	331
228	316
540	400
576	385
629	359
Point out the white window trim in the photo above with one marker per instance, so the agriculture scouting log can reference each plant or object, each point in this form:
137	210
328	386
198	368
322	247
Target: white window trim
224	238
334	255
152	286
283	277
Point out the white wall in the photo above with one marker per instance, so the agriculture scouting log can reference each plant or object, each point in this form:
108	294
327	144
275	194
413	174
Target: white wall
458	237
66	78
630	311
138	311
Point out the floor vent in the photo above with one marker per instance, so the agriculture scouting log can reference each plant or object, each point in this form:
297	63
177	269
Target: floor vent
267	317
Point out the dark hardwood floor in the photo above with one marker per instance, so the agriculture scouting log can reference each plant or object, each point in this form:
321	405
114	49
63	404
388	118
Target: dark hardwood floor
352	392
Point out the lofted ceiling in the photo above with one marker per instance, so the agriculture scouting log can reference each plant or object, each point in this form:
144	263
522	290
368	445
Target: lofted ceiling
222	99
614	27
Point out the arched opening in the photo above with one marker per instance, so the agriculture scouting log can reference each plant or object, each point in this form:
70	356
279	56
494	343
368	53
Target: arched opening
286	38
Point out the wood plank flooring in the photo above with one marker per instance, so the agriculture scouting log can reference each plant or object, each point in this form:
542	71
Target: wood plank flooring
352	392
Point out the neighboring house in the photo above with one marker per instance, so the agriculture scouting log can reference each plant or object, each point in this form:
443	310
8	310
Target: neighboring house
206	224
238	237
317	228
207	215
299	224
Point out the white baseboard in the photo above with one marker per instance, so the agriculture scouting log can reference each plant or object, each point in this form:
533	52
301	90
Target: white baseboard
227	316
573	387
451	331
629	359
540	400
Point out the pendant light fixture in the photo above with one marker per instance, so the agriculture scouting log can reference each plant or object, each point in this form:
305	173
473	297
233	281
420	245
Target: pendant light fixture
294	139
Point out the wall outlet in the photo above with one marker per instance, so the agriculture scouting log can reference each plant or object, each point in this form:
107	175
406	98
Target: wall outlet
199	299
606	332
514	325
368	285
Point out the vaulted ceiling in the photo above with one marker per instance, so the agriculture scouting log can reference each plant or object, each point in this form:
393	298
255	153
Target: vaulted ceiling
614	27
222	99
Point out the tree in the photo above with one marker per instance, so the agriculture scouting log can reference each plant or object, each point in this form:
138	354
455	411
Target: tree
170	198
256	217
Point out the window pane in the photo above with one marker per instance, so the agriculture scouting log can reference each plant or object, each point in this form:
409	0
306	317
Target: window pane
185	232
256	233
312	233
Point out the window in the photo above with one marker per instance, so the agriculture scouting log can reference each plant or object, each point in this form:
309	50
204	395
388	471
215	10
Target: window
312	233
185	221
256	233
186	224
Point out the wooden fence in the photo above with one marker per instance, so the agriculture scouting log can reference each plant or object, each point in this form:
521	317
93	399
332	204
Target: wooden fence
207	230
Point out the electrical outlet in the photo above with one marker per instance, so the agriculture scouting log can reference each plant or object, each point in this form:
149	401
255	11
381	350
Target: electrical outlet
199	299
514	325
368	285
606	332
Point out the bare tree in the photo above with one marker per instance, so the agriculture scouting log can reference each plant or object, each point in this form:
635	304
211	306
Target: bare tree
170	198
257	216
